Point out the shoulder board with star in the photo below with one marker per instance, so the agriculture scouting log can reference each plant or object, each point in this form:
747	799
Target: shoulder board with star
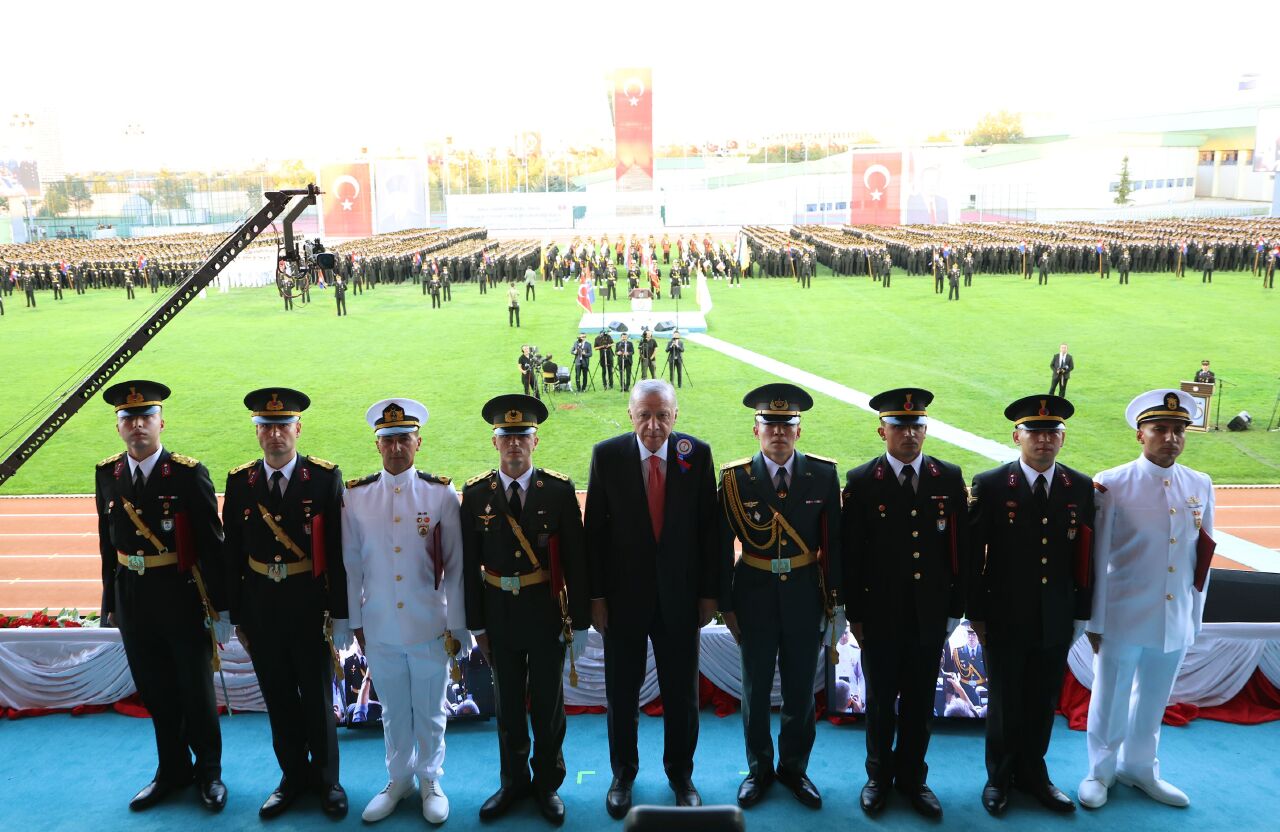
110	460
440	478
825	459
183	459
555	474
359	481
737	462
323	463
241	468
478	478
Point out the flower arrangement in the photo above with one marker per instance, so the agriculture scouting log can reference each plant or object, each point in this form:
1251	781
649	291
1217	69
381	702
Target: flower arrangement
43	618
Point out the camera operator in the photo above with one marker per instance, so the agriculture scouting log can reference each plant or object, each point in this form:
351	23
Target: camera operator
530	370
581	362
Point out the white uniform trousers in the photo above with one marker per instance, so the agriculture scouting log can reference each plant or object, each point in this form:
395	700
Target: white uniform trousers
1131	687
410	682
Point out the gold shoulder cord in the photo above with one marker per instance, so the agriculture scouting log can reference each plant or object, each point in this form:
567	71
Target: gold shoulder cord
744	524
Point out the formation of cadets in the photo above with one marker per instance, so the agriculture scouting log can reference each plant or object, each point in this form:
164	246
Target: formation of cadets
1035	554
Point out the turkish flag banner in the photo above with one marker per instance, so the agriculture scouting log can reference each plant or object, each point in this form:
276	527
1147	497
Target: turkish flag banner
347	200
877	189
633	128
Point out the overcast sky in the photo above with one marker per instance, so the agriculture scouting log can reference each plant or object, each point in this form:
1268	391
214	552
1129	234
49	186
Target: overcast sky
214	84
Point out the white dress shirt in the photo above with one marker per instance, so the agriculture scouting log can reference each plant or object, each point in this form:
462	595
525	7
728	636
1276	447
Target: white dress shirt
789	465
645	453
387	527
897	465
1031	474
147	465
1144	554
286	472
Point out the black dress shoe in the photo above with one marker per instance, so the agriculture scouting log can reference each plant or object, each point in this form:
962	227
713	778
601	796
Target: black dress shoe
550	806
923	800
213	795
752	790
686	793
1050	796
502	800
618	801
333	801
994	799
153	793
874	795
278	801
802	787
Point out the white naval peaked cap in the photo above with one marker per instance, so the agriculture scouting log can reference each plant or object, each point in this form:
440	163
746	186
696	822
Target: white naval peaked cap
1161	404
392	416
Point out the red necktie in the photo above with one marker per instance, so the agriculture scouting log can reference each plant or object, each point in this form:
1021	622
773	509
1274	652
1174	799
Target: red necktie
657	496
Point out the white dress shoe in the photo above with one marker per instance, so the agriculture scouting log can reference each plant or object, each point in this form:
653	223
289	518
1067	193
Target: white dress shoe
385	801
1092	792
1159	790
435	806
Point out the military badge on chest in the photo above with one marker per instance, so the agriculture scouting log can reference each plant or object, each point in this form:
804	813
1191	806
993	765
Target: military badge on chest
166	507
307	509
1073	521
1193	503
424	523
941	502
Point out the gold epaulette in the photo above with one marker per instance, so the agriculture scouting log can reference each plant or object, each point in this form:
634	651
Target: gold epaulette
440	478
555	474
111	459
323	463
820	458
478	478
183	459
744	461
244	467
359	481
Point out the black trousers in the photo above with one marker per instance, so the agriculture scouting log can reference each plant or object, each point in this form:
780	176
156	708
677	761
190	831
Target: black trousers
675	373
581	373
531	662
937	284
1207	277
1059	383
788	638
295	672
168	649
513	316
342	306
1124	275
624	373
1022	694
530	291
901	666
954	292
606	369
676	657
1043	279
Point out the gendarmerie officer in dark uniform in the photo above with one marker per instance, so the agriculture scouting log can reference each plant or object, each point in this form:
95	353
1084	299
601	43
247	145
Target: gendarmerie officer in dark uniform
527	596
625	350
905	552
288	590
163	586
1204	375
1028	594
784	507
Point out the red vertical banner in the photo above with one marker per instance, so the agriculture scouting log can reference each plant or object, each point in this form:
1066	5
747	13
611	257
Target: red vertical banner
347	201
633	128
877	189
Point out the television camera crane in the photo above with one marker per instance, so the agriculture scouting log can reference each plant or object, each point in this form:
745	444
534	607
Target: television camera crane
282	206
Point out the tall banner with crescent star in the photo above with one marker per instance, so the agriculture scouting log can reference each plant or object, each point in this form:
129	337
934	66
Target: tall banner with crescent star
633	128
877	189
402	194
347	200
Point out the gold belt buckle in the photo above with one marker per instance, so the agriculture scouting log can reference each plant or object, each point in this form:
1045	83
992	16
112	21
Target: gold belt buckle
780	566
277	572
511	585
137	563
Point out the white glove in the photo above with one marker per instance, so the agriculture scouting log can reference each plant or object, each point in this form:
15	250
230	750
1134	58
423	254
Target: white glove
342	634
222	627
578	647
952	623
841	623
1077	630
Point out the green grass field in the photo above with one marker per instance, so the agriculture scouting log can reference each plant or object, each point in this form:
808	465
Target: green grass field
976	355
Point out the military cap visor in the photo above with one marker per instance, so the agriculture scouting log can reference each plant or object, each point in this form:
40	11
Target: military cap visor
276	405
903	406
390	417
136	398
1041	412
1154	405
778	403
514	414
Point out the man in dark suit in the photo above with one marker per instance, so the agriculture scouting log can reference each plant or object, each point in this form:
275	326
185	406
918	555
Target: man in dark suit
162	585
1062	364
783	506
581	351
626	351
527	598
288	591
905	550
1029	594
654	570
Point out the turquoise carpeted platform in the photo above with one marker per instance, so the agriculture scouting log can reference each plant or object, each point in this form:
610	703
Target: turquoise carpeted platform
77	773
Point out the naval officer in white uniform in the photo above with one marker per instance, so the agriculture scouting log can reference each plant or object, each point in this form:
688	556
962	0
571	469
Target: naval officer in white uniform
1151	556
404	586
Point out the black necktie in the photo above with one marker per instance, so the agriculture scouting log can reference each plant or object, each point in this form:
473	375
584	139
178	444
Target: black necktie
909	478
514	500
138	481
781	482
277	485
1040	491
